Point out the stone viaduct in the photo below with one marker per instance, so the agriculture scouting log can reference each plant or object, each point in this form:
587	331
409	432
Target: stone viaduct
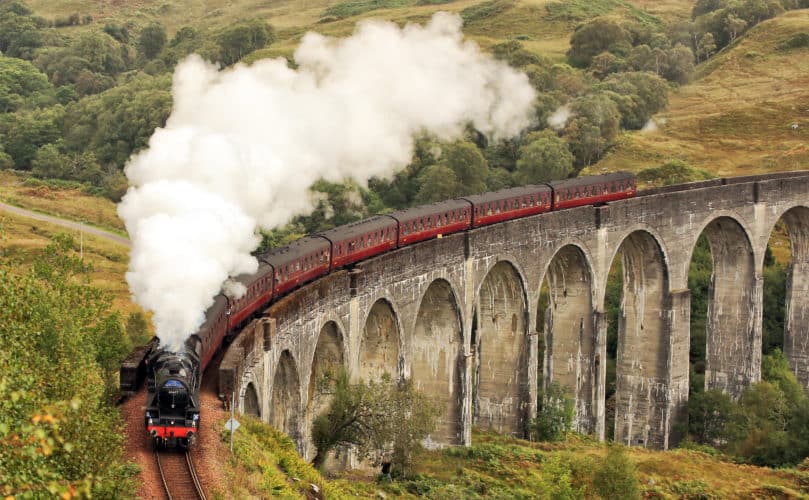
460	315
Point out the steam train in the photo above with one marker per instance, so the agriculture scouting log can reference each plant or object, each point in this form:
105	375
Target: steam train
173	379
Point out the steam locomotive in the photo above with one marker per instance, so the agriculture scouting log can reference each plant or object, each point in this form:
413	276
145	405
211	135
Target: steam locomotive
173	379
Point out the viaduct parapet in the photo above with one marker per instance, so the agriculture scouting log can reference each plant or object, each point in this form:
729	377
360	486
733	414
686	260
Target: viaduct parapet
460	315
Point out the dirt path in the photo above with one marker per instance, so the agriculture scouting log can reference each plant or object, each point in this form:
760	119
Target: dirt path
67	223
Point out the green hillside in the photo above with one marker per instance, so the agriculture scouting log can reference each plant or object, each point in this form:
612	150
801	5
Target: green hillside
737	117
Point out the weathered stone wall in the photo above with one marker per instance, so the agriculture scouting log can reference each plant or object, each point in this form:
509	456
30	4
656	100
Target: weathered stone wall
458	314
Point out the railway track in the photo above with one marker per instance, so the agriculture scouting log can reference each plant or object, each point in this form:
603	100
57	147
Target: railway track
178	475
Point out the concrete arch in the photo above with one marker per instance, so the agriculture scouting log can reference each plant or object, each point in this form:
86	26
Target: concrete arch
437	356
733	351
381	344
329	359
285	407
641	368
503	259
725	215
501	382
635	229
796	317
571	339
251	404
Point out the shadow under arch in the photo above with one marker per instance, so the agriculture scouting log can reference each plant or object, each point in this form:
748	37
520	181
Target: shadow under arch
380	346
437	358
641	386
285	408
501	346
796	309
733	350
570	336
251	404
327	362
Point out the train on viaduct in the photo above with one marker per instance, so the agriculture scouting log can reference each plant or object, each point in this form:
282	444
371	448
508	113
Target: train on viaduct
460	315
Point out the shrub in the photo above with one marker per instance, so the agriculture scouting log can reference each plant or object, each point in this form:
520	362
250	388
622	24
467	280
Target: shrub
672	172
796	41
554	415
616	478
485	10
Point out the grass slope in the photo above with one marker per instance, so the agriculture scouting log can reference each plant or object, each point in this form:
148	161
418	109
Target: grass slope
20	235
265	464
737	117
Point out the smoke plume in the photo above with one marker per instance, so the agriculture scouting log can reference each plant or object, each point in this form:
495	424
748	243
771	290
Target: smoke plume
243	145
558	119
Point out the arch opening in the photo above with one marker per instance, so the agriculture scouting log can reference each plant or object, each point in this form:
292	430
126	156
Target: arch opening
732	345
251	405
379	351
501	383
566	322
326	365
285	405
437	358
641	388
786	292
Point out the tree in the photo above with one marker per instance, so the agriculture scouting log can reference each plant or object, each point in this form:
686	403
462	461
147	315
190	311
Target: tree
102	53
597	36
20	33
118	122
26	131
437	182
22	83
6	161
735	26
702	7
152	40
714	418
243	38
117	31
554	414
546	158
49	162
595	124
469	165
605	64
644	95
58	434
706	47
383	420
586	142
680	65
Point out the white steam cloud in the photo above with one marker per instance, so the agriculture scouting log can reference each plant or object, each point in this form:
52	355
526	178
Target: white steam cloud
559	118
242	146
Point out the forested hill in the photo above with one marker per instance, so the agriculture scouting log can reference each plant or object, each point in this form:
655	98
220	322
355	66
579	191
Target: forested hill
83	84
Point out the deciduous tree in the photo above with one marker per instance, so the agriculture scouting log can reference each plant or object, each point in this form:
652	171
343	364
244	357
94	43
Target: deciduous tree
546	158
384	420
151	40
242	38
597	36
